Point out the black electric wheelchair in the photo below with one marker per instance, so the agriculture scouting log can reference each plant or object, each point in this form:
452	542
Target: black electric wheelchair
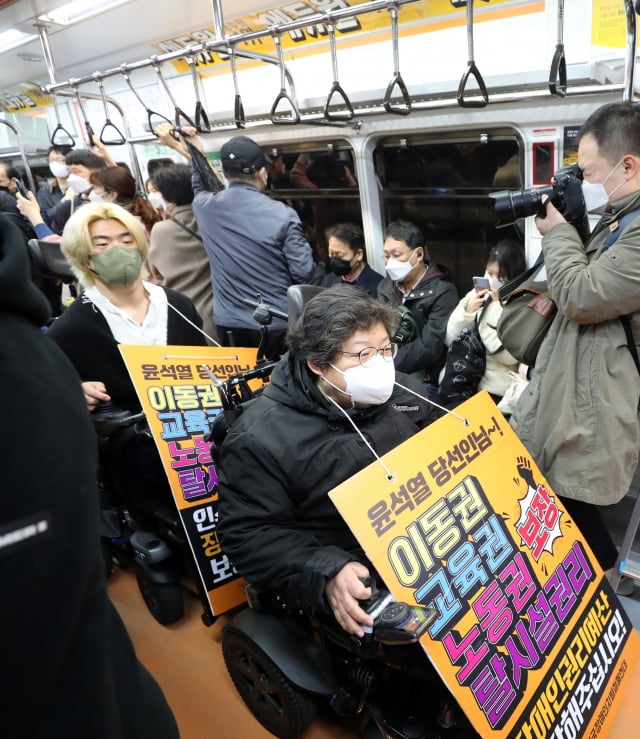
287	660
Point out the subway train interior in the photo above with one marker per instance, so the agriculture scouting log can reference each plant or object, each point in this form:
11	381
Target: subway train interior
418	110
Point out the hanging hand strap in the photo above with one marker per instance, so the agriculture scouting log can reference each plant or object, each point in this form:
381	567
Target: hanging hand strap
336	89
396	80
238	108
294	114
60	130
472	71
108	126
201	119
558	71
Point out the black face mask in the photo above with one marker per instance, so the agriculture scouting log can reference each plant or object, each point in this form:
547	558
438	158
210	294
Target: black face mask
339	266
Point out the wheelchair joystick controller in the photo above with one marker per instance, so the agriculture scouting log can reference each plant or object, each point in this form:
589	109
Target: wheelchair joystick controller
376	603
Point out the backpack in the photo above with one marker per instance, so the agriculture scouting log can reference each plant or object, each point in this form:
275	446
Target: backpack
464	366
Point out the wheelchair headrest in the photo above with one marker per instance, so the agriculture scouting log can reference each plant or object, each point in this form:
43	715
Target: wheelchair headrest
49	260
297	297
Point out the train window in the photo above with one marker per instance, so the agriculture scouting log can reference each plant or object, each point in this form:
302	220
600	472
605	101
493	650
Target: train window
443	187
320	184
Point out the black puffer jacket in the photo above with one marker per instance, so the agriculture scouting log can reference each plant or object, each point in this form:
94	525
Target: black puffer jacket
287	451
66	657
431	302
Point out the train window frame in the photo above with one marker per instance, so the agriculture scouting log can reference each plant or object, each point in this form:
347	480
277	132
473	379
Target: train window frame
456	217
310	202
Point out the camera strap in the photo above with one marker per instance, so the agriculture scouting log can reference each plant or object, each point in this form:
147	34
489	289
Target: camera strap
610	240
516	281
620	226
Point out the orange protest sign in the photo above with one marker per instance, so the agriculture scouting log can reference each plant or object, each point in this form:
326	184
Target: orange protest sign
530	638
179	401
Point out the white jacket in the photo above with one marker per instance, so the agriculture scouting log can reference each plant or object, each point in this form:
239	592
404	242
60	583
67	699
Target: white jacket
496	378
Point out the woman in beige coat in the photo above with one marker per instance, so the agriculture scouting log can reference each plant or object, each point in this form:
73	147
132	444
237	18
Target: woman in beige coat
177	258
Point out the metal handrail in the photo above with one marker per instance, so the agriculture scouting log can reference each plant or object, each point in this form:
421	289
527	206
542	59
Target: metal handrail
424	105
222	43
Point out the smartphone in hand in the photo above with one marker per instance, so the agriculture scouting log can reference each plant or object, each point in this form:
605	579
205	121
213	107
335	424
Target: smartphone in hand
481	283
21	189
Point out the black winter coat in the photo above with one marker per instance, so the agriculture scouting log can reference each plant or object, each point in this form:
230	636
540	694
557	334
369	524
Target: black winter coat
431	302
69	667
287	451
83	334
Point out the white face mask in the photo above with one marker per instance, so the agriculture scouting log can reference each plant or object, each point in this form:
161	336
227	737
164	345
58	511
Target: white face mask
59	169
94	197
594	193
495	283
156	199
398	270
370	385
78	184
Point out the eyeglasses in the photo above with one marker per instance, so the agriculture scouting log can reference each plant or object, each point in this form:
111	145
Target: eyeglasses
365	355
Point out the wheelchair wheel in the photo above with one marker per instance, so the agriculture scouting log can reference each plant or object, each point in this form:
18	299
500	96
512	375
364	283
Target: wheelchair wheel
163	601
279	706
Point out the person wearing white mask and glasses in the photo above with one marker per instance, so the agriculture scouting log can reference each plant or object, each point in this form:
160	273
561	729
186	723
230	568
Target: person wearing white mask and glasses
332	407
426	290
578	417
50	193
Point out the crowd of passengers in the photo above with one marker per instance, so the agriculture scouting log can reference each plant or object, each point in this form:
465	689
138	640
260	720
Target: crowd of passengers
179	271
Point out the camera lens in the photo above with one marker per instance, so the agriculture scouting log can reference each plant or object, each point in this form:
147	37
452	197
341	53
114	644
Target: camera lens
514	204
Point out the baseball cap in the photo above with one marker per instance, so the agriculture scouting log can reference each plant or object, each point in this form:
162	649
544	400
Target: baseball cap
242	154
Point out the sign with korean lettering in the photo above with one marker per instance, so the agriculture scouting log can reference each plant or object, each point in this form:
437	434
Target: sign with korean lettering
180	401
529	636
28	98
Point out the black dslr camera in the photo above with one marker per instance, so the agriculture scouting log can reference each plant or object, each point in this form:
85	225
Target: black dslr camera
565	193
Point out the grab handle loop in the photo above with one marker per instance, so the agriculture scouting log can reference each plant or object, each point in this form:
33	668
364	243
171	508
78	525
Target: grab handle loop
294	114
472	70
336	89
238	108
201	118
178	112
60	130
396	80
558	71
150	113
108	125
87	125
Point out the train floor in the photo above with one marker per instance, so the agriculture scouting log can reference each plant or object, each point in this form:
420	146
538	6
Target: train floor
186	660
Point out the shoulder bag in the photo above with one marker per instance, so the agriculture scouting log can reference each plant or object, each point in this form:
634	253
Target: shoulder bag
527	313
528	309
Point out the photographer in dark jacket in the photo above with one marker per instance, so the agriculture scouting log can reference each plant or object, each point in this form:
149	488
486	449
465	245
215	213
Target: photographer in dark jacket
332	407
426	290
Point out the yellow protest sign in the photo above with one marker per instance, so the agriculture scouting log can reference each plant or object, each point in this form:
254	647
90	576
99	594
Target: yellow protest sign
530	638
180	401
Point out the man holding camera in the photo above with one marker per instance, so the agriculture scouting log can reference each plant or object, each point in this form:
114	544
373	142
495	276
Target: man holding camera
579	415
